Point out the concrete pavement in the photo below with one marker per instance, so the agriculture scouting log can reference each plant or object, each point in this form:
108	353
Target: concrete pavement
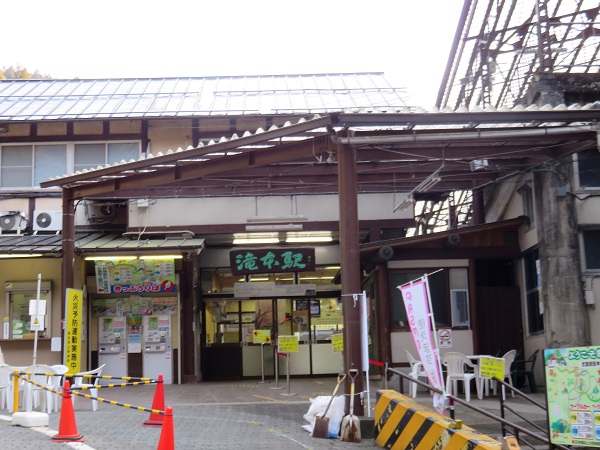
219	415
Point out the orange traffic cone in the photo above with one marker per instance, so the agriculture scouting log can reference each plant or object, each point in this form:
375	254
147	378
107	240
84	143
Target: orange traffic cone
156	420
167	438
67	428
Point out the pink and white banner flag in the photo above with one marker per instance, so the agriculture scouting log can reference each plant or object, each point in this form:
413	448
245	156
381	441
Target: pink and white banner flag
416	302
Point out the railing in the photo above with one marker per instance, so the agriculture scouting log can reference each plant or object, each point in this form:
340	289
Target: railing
506	425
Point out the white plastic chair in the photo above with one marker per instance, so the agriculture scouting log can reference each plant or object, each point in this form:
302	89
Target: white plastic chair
9	389
81	382
456	367
416	371
33	399
5	386
509	358
57	382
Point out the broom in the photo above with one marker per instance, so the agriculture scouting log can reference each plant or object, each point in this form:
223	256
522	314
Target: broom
350	431
321	428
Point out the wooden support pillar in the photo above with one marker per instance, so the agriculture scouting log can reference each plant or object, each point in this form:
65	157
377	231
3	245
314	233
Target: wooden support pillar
68	245
350	259
383	301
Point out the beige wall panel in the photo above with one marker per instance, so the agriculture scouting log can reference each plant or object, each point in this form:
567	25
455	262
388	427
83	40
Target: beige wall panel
125	126
20	351
250	124
169	134
17	129
48	203
52	129
14	204
92	127
215	125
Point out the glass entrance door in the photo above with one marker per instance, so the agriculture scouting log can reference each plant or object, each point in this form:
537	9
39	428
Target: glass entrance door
231	325
222	347
313	321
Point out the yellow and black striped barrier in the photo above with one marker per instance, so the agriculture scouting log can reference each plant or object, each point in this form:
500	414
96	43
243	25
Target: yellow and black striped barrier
114	403
139	381
401	422
100	399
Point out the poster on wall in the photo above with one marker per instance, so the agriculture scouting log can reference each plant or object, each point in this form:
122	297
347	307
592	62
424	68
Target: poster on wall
573	395
135	276
143	306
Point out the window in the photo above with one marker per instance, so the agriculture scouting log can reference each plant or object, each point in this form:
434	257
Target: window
460	307
438	288
26	166
591	244
588	165
535	308
18	295
459	297
528	208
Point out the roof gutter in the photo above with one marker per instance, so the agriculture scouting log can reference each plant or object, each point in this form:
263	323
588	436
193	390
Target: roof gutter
461	136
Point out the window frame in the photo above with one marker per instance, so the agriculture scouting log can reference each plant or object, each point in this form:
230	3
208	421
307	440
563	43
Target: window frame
585	256
526	193
29	289
533	298
446	304
580	162
69	157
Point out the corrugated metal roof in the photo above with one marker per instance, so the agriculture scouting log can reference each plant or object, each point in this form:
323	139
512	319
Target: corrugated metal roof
93	243
22	100
117	242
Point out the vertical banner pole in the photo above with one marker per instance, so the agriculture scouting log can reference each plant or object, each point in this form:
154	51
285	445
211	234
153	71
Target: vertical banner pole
262	361
276	370
37	306
287	362
364	331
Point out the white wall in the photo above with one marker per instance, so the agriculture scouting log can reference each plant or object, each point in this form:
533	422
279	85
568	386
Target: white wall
462	341
219	210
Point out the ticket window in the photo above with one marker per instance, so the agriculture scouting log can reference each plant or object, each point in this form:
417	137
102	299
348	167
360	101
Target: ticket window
18	296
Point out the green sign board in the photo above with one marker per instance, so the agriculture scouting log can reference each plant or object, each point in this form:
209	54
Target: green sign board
244	262
573	395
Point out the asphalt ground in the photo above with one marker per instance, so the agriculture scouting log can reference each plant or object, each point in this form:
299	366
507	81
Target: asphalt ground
221	415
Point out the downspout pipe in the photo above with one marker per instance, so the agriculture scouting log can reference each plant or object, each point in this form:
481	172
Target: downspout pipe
461	136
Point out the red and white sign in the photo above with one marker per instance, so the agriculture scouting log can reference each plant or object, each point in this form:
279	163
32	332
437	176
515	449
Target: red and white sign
445	338
420	321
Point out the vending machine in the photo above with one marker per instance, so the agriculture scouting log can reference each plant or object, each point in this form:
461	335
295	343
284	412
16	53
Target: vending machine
112	346
157	348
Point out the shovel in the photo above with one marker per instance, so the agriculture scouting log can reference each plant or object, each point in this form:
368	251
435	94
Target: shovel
321	428
350	431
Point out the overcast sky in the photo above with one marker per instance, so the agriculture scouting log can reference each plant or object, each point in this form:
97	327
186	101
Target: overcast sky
409	40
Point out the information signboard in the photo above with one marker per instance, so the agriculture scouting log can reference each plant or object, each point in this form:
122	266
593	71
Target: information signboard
261	336
573	395
288	344
337	340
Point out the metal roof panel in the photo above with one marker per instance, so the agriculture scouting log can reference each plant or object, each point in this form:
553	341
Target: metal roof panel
23	100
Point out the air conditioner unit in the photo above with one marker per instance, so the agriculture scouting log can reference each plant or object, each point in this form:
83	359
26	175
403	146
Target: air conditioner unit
47	220
12	221
101	211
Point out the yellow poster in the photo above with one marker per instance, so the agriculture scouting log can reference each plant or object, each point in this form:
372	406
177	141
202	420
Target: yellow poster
492	367
73	324
288	344
337	340
261	336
